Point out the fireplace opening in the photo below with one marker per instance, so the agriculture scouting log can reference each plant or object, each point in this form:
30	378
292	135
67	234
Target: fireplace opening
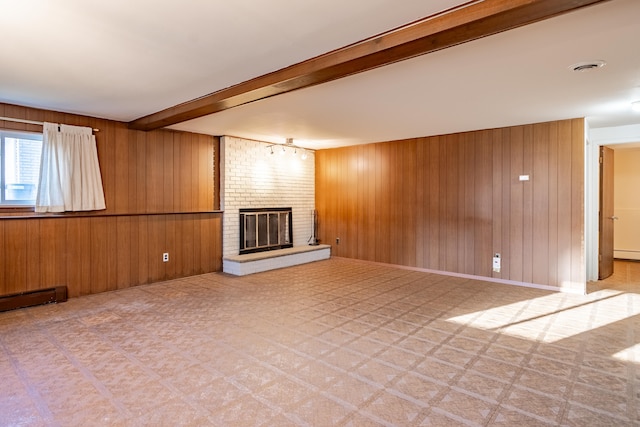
265	229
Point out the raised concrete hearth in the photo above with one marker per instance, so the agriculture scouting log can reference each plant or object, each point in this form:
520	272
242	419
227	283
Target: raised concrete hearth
241	265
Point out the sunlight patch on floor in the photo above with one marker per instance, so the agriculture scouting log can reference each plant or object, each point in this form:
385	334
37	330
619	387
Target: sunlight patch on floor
553	317
631	354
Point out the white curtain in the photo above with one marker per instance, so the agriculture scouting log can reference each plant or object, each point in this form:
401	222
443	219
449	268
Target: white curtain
70	177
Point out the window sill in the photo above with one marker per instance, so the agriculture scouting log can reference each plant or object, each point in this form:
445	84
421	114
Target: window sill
29	213
4	210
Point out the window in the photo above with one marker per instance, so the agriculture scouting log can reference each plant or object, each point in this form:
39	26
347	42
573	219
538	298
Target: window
19	167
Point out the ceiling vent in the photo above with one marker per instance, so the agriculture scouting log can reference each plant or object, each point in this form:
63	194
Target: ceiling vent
582	67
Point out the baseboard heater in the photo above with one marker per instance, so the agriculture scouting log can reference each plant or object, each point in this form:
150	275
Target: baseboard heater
31	298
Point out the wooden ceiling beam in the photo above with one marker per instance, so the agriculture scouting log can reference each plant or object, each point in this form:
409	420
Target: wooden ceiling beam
471	21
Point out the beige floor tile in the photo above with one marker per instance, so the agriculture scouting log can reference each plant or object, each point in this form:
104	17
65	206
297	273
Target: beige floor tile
19	409
148	396
337	342
285	360
246	411
284	393
362	420
550	366
97	414
393	409
321	411
352	391
356	328
418	388
534	404
558	353
126	376
317	374
454	356
315	348
376	372
505	354
509	417
385	335
193	378
466	344
495	368
216	394
515	343
281	420
337	337
344	359
62	398
544	384
466	407
601	399
417	346
579	416
368	346
603	380
374	320
438	371
477	334
606	364
437	418
399	358
402	326
487	388
254	377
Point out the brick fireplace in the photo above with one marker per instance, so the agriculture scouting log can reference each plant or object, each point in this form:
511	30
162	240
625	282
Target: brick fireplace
251	177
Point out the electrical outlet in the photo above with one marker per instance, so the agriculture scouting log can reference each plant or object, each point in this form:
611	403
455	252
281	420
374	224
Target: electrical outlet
165	257
337	240
496	263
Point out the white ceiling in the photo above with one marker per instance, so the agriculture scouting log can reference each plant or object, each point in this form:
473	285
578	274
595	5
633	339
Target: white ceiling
122	59
125	59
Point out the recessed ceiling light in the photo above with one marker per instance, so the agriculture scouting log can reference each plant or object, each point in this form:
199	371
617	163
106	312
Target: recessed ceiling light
587	66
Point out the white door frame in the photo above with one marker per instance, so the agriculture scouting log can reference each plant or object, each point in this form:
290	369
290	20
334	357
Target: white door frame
594	140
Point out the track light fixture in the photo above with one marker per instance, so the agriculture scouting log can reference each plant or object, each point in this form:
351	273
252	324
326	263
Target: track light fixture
289	144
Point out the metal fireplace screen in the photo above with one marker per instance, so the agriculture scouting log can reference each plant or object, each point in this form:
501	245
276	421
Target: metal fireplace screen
265	229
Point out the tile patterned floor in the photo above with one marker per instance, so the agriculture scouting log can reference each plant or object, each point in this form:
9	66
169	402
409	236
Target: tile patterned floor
333	343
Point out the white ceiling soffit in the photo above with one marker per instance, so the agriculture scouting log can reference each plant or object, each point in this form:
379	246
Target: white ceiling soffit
123	59
517	77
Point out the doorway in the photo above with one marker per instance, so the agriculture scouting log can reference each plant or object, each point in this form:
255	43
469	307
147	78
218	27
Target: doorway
613	137
627	203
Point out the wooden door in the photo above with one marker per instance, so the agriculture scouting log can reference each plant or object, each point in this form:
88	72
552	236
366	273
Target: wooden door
605	265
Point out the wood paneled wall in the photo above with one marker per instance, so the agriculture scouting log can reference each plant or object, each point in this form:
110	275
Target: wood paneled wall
160	193
97	254
450	202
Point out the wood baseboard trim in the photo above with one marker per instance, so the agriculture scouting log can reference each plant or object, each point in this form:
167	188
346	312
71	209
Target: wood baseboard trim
565	289
32	298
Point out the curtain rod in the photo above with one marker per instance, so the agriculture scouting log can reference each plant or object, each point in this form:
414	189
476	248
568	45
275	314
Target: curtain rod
30	122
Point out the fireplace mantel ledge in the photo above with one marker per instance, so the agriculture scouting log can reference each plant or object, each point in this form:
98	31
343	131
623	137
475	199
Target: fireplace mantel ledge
241	265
